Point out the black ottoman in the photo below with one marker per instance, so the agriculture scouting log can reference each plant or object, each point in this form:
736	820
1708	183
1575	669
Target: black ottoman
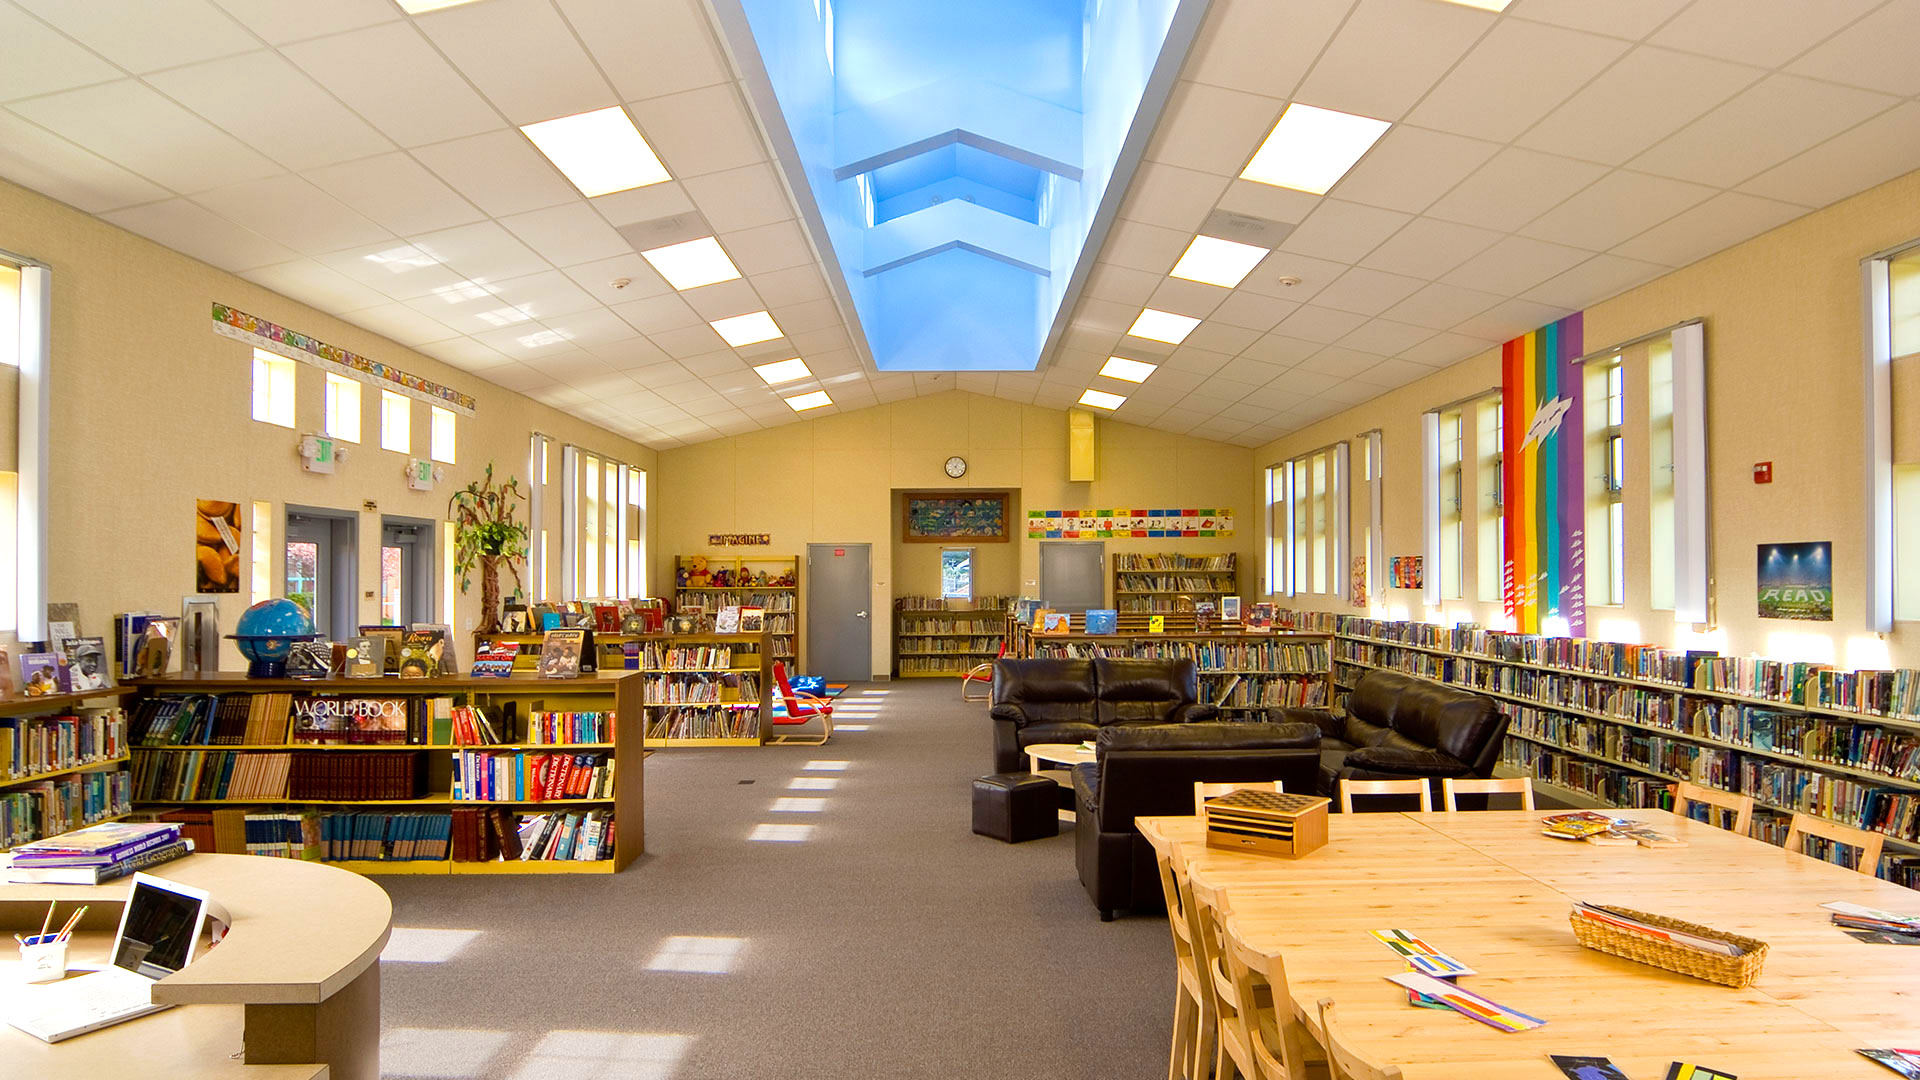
1016	806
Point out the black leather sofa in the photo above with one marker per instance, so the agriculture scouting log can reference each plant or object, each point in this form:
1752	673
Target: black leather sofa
1396	726
1070	701
1148	770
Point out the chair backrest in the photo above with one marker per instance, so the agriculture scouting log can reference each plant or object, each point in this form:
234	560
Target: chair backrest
1342	1062
1413	786
1517	785
1148	770
1869	843
1251	971
1740	806
1179	911
1211	909
1144	690
1202	791
786	686
1048	690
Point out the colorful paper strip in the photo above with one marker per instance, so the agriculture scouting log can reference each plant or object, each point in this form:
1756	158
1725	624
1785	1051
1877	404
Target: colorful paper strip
1467	1003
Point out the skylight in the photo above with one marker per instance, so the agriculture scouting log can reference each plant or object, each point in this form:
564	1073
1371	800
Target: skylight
1310	149
1213	261
601	152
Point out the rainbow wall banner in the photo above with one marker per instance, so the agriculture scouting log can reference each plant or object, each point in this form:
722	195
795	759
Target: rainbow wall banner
1543	420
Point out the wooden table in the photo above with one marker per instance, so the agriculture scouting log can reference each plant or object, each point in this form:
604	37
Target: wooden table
1067	754
1489	889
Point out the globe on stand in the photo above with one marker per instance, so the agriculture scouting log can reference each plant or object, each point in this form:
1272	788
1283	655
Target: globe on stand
266	634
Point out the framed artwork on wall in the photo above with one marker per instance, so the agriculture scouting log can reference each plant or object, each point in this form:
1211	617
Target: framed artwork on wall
937	517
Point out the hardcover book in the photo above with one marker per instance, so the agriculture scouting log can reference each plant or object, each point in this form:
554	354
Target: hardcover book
43	674
87	663
394	636
494	659
1229	609
727	621
420	652
753	620
560	654
1103	621
367	657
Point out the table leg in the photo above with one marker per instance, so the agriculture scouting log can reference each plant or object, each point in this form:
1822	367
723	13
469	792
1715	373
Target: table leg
342	1032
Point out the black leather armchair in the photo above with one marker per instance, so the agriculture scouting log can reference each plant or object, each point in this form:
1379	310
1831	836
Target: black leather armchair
1397	726
1149	770
1069	701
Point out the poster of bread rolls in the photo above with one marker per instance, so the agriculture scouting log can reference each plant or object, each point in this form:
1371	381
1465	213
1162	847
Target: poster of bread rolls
216	546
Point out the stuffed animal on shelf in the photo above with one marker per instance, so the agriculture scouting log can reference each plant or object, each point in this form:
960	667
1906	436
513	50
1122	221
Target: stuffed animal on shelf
784	581
723	578
697	576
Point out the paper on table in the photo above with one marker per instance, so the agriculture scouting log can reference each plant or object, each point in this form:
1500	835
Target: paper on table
1467	1003
1845	908
1626	922
1421	955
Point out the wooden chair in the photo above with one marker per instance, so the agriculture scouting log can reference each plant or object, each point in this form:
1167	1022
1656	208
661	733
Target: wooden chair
1518	785
1414	786
1233	1054
1274	1036
1869	842
1740	806
1342	1062
1202	791
801	707
1193	1019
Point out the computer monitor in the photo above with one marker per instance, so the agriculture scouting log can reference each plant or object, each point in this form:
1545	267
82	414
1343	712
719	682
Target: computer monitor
159	927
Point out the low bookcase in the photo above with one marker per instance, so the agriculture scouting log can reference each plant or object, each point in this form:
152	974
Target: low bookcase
413	803
612	652
63	763
705	689
945	639
721	587
1244	674
1155	582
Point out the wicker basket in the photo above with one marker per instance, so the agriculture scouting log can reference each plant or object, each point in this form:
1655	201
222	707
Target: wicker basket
1736	971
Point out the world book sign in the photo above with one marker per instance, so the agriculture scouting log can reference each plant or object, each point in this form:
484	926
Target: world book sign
739	539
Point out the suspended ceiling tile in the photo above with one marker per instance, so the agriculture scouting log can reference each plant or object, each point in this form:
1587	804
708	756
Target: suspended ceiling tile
1193	361
1514	76
466	354
1172	197
740	198
395	268
659	47
132	125
1268	202
1343	231
567	235
1384	337
500	171
1324	325
1509	320
1631	19
36	59
1340	363
1390	372
727	299
1309	276
1282	350
1441	350
633	354
522	56
294	212
1765	125
1367	292
1514	265
1303	380
193	230
1261	47
1648	95
641	204
1190	298
272	107
1139	246
1596	279
702	131
1719	223
1218	336
1619	205
1410	167
1513	188
400	323
483	251
397	192
471	310
281	21
689	341
1441	306
53	166
312	283
390	75
1428	247
530	343
657	314
1875	53
1212	129
543	294
1253	311
1390	53
767	248
1879	150
807	317
1766	33
147	35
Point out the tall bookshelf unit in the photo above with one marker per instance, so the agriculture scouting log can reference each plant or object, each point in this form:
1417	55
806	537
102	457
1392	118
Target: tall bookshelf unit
63	763
616	692
1152	582
781	602
944	639
706	689
1598	724
1254	672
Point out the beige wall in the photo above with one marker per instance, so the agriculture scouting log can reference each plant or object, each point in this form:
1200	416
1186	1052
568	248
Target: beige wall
1784	384
834	479
152	410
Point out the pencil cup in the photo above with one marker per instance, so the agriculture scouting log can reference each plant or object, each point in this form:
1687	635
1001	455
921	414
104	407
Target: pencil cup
44	963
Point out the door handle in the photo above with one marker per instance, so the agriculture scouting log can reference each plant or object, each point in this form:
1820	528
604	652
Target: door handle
859	614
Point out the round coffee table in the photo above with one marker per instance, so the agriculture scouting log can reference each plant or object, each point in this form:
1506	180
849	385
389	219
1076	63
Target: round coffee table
1066	754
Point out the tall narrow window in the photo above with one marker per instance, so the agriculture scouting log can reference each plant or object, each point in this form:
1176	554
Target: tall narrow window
443	434
1490	534
449	574
1660	478
343	408
613	513
537	516
1452	509
1276	578
637	540
396	422
1606	555
1302	528
9	315
272	389
956	574
262	551
1900	335
1317	506
587	551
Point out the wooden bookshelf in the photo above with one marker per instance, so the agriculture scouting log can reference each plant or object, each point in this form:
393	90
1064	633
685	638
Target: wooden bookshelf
739	716
1612	738
1154	582
509	701
780	601
1274	670
609	649
944	639
44	792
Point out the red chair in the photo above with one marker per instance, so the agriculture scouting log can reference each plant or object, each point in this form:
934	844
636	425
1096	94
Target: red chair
981	673
801	708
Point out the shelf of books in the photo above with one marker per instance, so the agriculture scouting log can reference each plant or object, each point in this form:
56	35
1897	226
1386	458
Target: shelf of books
1606	724
1244	673
520	653
445	774
706	689
704	584
63	761
935	638
1155	582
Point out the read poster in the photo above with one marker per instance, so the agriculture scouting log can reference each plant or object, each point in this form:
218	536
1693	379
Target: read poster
1796	581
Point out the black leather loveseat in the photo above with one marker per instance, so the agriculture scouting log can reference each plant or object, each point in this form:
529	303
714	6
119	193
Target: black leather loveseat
1070	701
1150	770
1397	726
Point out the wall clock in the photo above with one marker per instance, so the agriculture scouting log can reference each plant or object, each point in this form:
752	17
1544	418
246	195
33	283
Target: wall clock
956	466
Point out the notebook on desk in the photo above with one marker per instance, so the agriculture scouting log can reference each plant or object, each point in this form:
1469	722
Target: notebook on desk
159	931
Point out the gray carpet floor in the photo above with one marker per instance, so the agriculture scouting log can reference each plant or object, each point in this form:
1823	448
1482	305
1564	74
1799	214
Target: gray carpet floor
890	942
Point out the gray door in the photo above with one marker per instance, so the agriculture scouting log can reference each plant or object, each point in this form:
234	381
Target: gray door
322	567
1073	575
839	615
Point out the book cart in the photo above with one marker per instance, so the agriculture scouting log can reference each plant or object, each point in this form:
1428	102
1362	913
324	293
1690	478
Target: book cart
63	763
1599	724
510	703
1253	672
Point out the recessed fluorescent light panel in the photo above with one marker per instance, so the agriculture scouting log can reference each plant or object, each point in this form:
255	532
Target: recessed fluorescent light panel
1163	326
1310	149
600	151
1100	399
693	264
421	7
808	401
1213	261
782	371
1483	5
748	329
1119	367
